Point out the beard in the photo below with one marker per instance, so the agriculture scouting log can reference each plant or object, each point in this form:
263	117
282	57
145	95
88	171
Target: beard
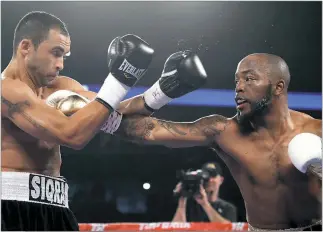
257	108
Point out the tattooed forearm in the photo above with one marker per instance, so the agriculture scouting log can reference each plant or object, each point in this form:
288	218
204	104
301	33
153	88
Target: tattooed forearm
140	128
18	108
136	127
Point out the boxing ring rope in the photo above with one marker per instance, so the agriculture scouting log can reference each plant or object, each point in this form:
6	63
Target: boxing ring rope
165	226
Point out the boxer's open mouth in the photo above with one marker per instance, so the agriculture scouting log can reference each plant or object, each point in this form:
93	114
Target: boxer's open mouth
240	101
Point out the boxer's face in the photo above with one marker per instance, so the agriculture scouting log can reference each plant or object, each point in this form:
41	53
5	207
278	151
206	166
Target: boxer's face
253	87
45	62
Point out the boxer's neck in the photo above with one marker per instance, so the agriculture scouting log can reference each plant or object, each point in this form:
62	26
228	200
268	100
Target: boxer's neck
275	119
16	69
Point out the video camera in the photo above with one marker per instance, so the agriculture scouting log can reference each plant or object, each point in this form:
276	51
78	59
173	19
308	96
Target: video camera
191	181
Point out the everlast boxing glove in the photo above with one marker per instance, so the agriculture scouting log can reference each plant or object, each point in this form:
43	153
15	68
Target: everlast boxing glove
128	59
183	73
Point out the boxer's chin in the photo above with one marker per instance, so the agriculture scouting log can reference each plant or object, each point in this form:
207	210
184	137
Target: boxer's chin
244	113
243	116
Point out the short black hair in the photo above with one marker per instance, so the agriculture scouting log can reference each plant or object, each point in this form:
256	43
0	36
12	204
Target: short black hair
35	26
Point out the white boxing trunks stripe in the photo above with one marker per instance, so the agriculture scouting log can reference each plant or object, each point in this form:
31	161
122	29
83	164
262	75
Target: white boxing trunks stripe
36	188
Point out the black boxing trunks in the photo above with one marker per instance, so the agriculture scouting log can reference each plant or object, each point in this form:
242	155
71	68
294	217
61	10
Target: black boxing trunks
33	202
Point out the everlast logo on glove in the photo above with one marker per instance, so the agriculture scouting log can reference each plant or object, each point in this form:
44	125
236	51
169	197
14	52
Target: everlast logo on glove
128	68
48	190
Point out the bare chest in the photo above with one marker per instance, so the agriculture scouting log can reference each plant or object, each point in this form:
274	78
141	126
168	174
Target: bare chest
271	186
267	162
264	161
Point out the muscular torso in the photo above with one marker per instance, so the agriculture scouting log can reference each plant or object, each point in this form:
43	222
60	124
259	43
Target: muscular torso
276	194
22	152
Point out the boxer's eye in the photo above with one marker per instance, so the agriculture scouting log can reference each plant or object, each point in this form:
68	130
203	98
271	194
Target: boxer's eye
249	78
57	53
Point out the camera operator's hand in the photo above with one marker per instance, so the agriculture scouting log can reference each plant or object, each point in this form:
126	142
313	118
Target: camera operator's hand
202	198
178	188
181	200
180	215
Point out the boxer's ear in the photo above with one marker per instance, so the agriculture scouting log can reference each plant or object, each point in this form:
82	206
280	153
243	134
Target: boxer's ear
25	47
279	87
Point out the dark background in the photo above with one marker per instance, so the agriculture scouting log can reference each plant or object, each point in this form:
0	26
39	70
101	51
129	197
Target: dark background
106	177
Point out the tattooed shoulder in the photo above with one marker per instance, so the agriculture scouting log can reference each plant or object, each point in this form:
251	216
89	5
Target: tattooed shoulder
19	108
212	125
14	107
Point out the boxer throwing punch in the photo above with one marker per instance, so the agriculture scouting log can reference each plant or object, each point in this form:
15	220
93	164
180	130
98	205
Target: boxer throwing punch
273	152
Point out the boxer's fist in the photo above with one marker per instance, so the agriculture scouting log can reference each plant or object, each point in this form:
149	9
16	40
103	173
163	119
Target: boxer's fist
304	150
53	99
69	102
66	101
128	58
183	73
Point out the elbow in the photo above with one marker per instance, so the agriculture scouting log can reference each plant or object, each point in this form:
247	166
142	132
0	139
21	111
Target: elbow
73	141
75	145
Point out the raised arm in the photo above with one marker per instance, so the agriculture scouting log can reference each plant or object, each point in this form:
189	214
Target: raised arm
34	116
149	130
42	121
134	105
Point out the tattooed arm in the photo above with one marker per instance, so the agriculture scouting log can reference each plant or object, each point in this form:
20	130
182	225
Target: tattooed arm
148	130
34	116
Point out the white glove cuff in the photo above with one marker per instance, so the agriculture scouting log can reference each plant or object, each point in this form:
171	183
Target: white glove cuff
113	123
155	97
305	149
113	91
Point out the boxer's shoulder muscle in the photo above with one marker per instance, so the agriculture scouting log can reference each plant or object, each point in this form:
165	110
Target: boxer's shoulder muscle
13	96
217	129
229	133
214	125
67	83
313	126
306	123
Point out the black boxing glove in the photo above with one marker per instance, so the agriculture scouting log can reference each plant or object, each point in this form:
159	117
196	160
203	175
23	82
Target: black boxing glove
183	73
128	59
